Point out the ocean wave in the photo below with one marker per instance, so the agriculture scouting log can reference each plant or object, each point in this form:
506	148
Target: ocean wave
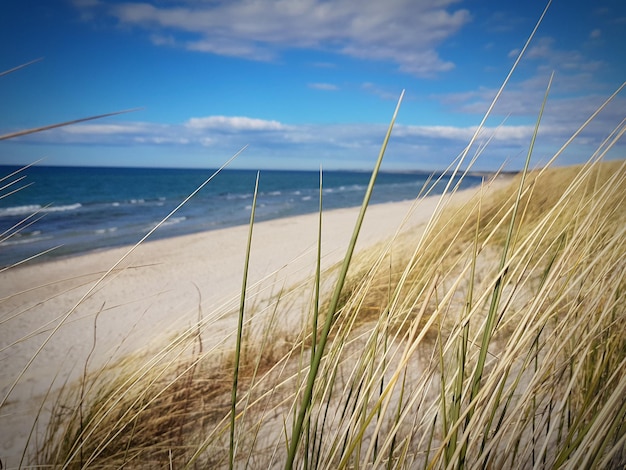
32	208
20	210
17	240
344	188
159	202
69	207
101	231
174	221
236	196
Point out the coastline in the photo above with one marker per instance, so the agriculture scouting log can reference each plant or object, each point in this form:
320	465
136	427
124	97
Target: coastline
157	291
115	207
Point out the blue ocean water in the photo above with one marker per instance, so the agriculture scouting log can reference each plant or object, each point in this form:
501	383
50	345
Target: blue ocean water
79	209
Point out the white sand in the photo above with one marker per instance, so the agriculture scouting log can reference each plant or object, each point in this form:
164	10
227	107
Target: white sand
157	293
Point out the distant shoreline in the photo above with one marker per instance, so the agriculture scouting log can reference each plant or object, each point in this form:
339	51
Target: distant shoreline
101	208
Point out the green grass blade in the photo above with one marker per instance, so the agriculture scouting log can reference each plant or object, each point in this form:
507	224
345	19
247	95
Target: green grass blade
242	304
316	306
497	289
457	396
308	391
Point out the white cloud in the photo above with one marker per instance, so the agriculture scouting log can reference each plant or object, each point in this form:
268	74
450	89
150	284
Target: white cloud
163	40
237	123
404	32
227	47
571	60
381	92
464	134
156	140
573	99
106	129
411	146
324	65
324	86
513	53
595	34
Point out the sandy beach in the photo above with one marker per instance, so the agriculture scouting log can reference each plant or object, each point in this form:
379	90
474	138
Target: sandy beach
155	292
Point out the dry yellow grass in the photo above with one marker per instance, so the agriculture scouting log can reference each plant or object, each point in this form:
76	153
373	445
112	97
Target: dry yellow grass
551	394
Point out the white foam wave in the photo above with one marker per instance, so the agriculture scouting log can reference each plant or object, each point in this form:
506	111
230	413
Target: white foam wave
174	221
230	197
101	231
20	210
69	207
22	240
32	208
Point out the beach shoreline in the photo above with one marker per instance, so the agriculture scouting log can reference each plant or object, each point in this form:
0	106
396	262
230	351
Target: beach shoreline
69	211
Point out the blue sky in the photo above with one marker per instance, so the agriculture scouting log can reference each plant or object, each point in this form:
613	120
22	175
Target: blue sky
306	82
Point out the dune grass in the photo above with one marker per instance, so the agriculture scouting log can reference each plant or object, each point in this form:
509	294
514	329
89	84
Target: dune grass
395	386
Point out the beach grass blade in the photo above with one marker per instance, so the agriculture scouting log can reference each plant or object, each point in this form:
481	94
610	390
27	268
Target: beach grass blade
242	304
497	289
19	67
63	124
316	307
317	358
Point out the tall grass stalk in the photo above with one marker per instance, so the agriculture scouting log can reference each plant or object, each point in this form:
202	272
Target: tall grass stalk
457	396
497	290
315	316
308	390
34	130
19	67
496	98
242	304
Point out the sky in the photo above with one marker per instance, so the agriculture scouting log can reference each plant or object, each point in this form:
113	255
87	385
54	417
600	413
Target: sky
308	83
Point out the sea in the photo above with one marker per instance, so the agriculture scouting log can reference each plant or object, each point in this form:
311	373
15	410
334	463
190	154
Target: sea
64	211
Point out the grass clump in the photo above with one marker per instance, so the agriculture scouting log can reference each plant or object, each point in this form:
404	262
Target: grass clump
137	418
394	388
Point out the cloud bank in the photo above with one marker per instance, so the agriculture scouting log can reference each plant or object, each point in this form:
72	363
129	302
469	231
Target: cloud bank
404	32
350	146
